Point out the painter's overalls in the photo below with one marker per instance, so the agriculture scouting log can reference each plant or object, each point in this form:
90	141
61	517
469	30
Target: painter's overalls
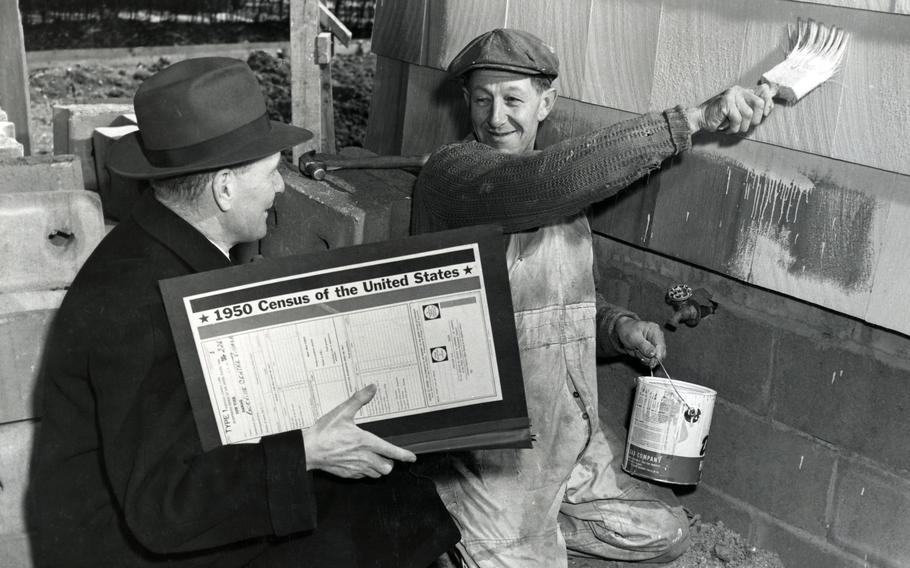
507	502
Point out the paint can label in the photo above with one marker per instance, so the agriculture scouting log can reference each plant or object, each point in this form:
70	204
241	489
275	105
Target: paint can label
668	433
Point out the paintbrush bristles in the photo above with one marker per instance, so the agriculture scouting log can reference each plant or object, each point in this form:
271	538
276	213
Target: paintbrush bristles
816	52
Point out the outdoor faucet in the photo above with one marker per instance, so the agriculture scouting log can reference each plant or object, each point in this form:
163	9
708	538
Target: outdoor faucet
688	307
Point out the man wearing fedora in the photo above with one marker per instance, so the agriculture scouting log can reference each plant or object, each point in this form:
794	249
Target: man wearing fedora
524	508
119	477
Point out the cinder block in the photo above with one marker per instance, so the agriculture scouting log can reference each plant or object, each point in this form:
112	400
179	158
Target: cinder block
800	550
10	148
73	127
7	129
386	187
714	505
771	468
15	551
727	351
871	514
3	116
45	236
310	216
849	399
118	194
16	440
25	319
350	207
40	173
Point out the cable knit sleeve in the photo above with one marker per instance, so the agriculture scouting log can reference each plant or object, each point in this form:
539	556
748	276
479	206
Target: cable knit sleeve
471	184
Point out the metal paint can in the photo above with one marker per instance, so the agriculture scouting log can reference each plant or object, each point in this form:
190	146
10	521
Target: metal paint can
668	432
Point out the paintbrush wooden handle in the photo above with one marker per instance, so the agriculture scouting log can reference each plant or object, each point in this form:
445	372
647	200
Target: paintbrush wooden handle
774	87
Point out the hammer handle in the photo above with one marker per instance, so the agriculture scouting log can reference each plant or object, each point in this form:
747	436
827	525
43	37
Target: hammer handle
336	163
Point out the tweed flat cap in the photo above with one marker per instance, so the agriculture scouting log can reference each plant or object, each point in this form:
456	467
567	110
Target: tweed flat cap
509	50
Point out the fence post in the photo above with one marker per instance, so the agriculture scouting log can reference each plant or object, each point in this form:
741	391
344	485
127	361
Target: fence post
306	99
14	73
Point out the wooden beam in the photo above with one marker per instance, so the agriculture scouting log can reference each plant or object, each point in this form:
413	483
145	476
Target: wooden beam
306	77
324	59
13	72
330	21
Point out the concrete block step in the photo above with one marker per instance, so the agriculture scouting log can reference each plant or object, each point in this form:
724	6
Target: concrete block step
16	441
73	128
45	236
40	173
348	208
25	320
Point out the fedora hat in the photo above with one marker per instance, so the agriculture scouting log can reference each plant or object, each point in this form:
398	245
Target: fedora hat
196	115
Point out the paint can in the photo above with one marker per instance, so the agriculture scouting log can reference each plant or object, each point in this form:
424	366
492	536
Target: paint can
669	430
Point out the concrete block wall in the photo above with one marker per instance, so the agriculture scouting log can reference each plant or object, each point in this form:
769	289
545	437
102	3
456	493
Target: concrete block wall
808	452
49	225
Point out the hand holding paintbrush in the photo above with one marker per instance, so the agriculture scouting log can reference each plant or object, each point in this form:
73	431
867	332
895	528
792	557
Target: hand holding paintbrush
815	54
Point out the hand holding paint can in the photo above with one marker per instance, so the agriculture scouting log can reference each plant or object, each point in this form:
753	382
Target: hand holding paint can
668	432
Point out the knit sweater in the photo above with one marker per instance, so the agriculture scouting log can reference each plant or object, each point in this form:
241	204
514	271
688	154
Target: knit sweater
470	183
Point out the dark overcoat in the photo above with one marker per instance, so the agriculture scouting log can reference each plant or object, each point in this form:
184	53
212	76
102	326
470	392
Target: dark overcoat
120	478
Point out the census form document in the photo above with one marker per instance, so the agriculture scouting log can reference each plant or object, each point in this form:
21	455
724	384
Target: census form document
278	354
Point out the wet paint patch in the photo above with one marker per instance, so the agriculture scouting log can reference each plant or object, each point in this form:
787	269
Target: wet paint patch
788	228
823	230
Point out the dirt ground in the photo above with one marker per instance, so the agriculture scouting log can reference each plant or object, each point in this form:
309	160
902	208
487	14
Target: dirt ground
714	545
352	80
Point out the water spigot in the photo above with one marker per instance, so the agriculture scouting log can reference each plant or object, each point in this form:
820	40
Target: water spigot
689	306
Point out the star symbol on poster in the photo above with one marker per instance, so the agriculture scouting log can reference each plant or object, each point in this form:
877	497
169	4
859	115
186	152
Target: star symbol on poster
204	318
468	269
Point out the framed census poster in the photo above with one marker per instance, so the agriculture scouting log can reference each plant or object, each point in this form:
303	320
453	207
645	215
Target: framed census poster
273	345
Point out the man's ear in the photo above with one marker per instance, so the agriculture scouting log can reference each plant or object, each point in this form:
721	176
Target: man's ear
547	102
223	189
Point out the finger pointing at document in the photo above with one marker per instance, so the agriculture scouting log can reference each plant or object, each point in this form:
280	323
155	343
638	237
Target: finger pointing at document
336	445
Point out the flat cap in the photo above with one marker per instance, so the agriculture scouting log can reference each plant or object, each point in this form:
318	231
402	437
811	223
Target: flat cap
509	50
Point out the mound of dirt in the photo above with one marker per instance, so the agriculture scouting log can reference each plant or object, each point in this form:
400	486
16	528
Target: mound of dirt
352	84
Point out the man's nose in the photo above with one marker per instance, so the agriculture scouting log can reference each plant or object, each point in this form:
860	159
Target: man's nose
498	115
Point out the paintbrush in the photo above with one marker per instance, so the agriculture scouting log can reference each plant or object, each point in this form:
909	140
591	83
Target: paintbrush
815	54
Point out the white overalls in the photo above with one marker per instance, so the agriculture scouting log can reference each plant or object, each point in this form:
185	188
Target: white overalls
522	508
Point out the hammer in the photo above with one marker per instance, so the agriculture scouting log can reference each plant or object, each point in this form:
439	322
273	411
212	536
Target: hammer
316	165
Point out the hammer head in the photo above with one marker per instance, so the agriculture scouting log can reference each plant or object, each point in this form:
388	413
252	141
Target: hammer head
311	167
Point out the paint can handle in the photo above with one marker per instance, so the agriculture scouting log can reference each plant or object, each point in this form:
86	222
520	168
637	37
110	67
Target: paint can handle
690	411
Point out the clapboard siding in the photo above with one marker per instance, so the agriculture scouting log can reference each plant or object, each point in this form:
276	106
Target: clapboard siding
636	55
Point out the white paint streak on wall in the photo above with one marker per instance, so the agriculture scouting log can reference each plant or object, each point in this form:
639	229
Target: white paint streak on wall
774	199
